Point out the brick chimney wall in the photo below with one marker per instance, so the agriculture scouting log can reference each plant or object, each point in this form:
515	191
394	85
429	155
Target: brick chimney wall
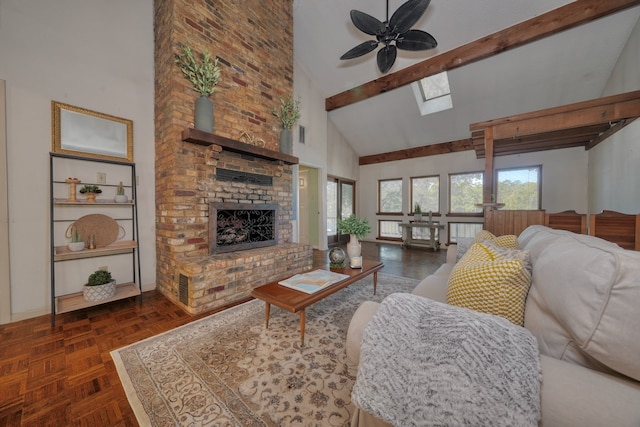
253	41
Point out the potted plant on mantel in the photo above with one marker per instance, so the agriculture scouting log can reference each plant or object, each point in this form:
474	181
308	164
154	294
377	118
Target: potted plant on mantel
90	191
204	76
357	228
288	113
100	286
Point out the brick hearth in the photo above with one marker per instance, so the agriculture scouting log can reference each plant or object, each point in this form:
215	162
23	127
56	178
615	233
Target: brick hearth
253	41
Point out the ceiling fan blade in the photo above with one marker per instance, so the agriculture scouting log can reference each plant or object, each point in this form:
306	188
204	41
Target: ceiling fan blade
386	58
408	14
366	23
361	49
416	40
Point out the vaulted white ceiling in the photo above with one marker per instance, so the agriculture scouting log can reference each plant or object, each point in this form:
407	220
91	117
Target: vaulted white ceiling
568	67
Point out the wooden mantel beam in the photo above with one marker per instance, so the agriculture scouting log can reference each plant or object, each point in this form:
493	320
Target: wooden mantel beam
565	17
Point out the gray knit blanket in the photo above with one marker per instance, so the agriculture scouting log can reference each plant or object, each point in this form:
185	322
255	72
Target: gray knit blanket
425	363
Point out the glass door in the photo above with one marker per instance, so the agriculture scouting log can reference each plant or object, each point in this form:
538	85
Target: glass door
340	204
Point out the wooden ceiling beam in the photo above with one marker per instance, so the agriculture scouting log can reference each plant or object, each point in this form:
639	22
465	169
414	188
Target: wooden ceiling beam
597	102
608	113
565	17
604	135
412	153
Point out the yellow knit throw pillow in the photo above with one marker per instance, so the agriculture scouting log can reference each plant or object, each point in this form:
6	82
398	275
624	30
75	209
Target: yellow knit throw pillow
506	241
488	283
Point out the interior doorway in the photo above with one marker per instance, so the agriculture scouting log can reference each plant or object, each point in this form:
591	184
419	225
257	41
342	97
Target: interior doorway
5	276
308	206
341	196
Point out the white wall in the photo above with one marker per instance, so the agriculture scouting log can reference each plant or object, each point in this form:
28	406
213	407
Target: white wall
324	149
564	179
614	165
89	53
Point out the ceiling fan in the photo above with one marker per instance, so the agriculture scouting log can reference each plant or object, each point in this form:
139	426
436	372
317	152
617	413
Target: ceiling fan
397	29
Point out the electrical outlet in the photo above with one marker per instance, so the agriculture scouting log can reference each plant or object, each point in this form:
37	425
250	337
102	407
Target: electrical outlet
101	178
103	268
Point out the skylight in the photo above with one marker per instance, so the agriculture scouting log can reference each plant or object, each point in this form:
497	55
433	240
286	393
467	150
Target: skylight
433	94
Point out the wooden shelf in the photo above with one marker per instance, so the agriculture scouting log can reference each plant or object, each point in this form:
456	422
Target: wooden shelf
204	138
71	302
100	202
62	253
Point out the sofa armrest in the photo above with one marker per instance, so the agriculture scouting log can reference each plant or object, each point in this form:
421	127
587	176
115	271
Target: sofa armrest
578	396
452	253
359	321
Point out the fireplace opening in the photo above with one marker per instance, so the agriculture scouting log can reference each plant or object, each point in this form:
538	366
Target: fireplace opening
241	226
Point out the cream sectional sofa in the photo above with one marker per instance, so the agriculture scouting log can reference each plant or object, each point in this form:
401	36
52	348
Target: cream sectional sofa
583	307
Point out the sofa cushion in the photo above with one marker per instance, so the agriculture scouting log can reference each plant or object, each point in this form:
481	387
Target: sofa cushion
583	302
485	281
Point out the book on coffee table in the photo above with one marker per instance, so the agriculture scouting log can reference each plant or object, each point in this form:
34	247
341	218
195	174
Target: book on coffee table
312	281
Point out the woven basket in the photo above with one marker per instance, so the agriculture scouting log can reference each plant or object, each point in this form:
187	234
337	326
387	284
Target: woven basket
99	292
105	230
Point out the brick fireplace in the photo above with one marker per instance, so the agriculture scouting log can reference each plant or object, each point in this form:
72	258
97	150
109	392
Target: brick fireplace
253	42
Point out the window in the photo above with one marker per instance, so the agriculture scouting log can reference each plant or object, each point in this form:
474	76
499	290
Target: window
519	188
425	190
433	94
389	230
463	229
465	192
390	196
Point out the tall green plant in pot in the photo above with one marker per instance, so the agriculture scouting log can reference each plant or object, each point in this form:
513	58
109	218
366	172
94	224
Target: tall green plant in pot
288	113
204	75
357	228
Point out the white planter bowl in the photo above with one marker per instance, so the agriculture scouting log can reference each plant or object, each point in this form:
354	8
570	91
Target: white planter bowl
121	198
100	292
76	246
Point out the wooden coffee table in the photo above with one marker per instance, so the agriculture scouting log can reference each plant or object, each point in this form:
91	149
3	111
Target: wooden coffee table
297	301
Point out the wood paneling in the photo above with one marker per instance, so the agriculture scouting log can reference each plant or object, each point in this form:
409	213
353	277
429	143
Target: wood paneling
616	227
567	220
571	15
501	222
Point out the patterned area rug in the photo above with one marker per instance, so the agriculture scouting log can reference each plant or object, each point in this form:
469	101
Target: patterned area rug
229	370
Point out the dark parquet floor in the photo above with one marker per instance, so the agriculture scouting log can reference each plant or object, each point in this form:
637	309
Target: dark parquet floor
64	376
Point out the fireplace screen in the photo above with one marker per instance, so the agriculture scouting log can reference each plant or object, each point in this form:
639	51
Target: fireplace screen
240	226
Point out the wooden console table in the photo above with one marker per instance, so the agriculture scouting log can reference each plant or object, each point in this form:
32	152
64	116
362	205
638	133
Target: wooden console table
407	233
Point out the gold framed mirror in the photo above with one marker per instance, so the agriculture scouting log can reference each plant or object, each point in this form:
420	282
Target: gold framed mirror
87	133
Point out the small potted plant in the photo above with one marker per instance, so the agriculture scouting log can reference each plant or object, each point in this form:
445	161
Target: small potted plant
76	244
357	228
100	286
417	212
288	113
90	191
120	196
204	75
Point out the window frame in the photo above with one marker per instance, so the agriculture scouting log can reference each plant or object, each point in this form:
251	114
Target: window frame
449	223
412	202
464	214
393	239
380	212
496	182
